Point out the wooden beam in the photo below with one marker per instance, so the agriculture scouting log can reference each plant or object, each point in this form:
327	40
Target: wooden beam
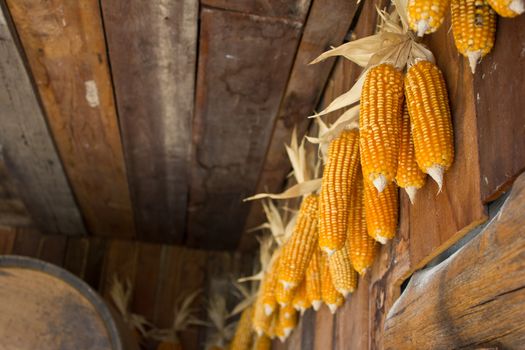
65	47
244	64
327	24
500	115
152	49
28	152
290	9
475	298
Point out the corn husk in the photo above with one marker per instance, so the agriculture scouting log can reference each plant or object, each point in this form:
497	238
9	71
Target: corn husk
222	329
121	295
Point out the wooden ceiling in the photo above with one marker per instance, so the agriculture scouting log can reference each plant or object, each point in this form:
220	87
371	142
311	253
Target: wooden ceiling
152	120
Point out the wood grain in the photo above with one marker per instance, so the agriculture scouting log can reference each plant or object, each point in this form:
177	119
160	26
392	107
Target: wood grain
146	280
75	260
291	9
244	64
65	47
13	212
327	24
52	249
500	115
324	329
27	242
152	49
28	152
7	240
457	304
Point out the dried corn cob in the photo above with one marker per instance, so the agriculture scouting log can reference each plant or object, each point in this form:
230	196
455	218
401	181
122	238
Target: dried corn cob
297	252
344	277
474	28
313	280
408	176
268	285
283	295
429	111
361	247
300	302
426	16
381	212
331	297
274	330
338	178
262	342
243	334
507	8
379	124
261	322
287	321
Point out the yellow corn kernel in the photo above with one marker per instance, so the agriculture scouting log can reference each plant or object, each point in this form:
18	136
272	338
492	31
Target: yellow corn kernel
242	340
426	16
429	111
408	176
381	212
300	302
262	342
380	116
331	297
361	247
507	8
474	28
261	322
287	321
297	252
284	296
274	330
268	286
338	179
313	280
344	277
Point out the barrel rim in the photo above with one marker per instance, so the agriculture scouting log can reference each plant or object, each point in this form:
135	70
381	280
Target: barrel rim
82	287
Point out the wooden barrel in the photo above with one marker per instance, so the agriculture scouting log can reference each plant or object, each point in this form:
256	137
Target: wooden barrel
45	307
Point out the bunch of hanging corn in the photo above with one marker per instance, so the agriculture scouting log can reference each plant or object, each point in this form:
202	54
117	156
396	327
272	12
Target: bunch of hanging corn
379	124
298	251
339	177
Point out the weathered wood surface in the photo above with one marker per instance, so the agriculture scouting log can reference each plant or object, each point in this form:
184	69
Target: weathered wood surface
290	9
325	329
326	26
498	87
475	298
7	240
65	47
120	262
27	148
146	280
13	212
152	50
244	62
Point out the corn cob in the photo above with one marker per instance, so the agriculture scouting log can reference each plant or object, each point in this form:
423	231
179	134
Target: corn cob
381	212
261	322
297	252
507	8
300	301
379	124
361	247
313	280
429	111
338	179
287	321
331	297
267	289
344	277
274	326
242	340
408	176
426	16
284	296
474	28
262	342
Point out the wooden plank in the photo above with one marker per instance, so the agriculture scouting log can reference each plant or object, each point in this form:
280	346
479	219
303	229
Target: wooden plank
243	68
120	261
13	212
75	260
27	148
146	280
324	329
65	47
456	304
53	249
152	47
500	116
327	24
291	9
27	242
95	262
7	240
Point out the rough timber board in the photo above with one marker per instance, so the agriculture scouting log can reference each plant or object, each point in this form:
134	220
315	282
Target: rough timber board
152	50
501	128
27	148
327	24
65	47
290	9
244	62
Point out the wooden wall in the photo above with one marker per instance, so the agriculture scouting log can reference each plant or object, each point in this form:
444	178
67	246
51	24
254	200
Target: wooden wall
159	274
487	138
